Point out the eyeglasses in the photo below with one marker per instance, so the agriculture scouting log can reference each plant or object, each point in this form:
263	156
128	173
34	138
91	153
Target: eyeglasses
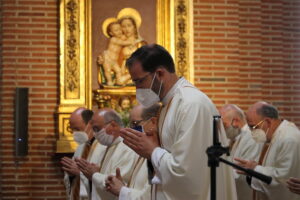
252	127
133	124
96	128
140	80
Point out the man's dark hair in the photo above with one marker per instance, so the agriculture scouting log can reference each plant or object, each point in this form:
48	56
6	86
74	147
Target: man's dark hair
268	111
87	115
152	57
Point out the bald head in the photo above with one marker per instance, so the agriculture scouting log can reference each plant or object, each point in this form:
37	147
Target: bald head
76	121
259	111
264	116
104	116
252	109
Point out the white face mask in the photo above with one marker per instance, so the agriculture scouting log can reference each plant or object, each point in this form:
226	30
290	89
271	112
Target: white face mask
104	138
259	135
146	96
80	137
232	132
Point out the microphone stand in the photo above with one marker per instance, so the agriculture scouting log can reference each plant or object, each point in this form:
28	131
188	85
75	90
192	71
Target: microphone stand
214	154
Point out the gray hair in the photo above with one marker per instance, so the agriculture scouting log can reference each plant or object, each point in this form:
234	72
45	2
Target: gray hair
267	110
235	111
112	116
152	111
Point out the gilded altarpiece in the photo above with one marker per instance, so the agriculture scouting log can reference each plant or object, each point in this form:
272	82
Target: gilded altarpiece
174	31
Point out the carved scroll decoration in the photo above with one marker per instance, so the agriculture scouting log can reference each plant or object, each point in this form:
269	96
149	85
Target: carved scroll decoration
72	59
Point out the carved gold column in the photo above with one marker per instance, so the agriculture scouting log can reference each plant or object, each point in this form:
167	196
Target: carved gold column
74	71
183	15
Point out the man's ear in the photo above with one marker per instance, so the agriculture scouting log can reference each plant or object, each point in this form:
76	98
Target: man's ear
154	120
160	72
235	121
268	120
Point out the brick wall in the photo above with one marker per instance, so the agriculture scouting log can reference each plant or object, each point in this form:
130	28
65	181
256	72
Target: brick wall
248	50
30	59
245	51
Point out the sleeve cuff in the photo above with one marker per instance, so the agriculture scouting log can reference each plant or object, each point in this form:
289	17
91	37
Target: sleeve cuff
259	169
156	156
255	183
98	180
124	193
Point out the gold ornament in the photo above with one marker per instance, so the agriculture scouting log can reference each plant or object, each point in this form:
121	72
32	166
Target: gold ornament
131	12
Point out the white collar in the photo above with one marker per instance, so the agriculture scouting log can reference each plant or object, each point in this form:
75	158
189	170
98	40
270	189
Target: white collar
245	128
172	91
116	141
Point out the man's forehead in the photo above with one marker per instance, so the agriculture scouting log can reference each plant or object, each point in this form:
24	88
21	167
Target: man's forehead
75	119
252	117
226	114
135	117
97	119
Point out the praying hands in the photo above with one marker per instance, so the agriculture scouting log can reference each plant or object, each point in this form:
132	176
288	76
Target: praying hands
139	142
293	185
70	166
114	183
88	169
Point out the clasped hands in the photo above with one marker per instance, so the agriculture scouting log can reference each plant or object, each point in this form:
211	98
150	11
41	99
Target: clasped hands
73	167
293	185
69	165
115	183
142	143
87	168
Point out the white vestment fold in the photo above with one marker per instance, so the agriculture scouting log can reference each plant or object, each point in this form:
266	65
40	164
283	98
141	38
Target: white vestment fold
246	148
93	157
186	129
280	162
138	188
118	155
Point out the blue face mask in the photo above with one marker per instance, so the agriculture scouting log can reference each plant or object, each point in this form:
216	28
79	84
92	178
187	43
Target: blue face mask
138	128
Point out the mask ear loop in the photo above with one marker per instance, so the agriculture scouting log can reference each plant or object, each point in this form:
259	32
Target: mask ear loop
86	130
153	80
160	88
267	134
86	127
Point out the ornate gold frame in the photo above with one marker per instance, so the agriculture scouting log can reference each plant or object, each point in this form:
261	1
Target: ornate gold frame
174	32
